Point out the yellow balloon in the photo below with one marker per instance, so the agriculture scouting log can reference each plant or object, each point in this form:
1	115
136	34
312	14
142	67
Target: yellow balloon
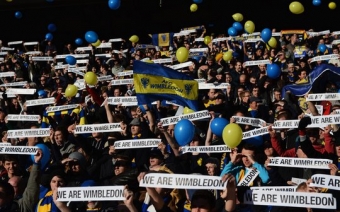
249	27
207	40
228	56
193	8
9	0
238	17
97	43
134	38
187	110
272	42
332	5
91	78
232	135
296	7
182	54
71	91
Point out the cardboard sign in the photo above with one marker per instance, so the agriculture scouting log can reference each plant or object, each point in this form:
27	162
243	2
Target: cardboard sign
93	193
206	149
182	181
290	199
60	108
15	117
191	116
311	163
137	143
90	128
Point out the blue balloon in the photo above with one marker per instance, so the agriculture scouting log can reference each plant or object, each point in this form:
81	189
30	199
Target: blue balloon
232	31
256	141
198	1
49	36
42	94
91	36
70	60
79	41
52	27
322	48
18	14
45	160
316	2
217	125
184	132
266	34
113	5
273	71
238	26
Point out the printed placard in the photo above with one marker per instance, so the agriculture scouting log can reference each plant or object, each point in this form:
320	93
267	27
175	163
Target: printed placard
28	133
15	117
122	82
255	132
317	121
31	43
325	57
103	55
275	188
311	163
8	95
323	97
199	39
45	101
93	193
74	70
14	84
60	108
15	42
125	73
22	91
165	60
249	177
201	80
255	122
5	144
7	74
191	116
326	181
220	39
253	40
90	128
256	62
123	100
82	61
33	52
206	149
290	199
199	50
86	48
182	181
19	150
42	58
61	66
298	181
181	65
104	45
202	86
137	143
113	40
105	78
63	56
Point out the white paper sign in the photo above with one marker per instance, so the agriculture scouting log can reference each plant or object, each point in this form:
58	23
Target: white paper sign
60	108
105	78
14	84
181	65
290	199
298	181
28	133
182	181
323	97
125	73
23	91
191	116
93	193
255	132
325	57
275	188
311	163
249	177
35	102
165	60
202	86
206	149
15	117
123	100
19	150
326	181
137	143
255	122
7	74
256	62
122	82
42	58
90	128
317	121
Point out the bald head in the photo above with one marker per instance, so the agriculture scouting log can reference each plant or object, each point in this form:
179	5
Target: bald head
18	184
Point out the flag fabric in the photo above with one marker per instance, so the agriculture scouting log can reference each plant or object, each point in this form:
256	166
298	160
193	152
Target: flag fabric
163	39
156	82
45	123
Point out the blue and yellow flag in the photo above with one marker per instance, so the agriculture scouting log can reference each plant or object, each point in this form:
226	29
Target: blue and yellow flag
155	82
163	39
45	123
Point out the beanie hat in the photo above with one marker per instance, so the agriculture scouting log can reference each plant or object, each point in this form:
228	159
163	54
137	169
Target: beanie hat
79	157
